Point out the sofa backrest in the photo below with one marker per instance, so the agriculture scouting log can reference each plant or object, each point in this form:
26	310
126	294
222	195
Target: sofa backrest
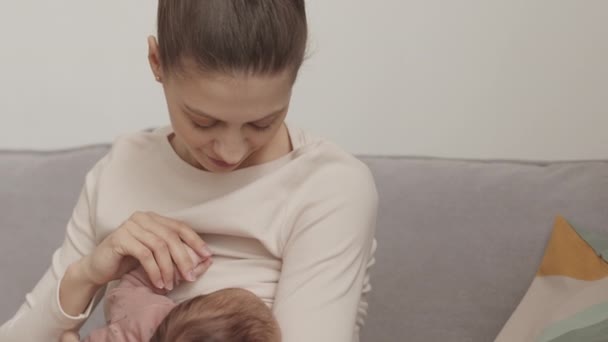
459	241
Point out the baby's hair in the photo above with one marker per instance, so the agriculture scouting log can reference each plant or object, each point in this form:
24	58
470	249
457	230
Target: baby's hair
261	37
230	315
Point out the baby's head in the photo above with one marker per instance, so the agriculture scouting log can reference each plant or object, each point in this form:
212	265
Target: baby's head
231	315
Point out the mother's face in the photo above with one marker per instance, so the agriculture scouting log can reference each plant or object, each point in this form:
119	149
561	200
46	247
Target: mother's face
221	121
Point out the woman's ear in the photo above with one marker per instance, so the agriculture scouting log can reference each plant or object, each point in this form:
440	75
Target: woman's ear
154	59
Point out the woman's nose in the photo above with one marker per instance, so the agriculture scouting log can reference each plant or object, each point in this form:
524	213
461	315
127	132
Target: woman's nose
231	150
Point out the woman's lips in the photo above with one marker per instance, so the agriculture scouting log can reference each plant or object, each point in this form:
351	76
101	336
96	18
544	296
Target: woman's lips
222	164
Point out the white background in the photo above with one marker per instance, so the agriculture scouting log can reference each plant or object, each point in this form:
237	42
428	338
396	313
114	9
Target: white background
509	79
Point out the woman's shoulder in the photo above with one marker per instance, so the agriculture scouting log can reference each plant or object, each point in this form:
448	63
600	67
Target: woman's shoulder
322	150
329	168
134	146
131	152
330	184
139	141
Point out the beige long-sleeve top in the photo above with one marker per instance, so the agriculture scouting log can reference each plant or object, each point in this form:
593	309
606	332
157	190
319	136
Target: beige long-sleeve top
297	231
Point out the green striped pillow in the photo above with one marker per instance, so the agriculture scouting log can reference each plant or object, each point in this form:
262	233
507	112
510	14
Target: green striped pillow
568	298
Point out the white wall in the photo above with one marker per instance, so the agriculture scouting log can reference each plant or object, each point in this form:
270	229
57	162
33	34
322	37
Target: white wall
470	78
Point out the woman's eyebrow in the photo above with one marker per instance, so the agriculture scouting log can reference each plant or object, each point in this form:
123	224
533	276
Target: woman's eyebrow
198	112
201	113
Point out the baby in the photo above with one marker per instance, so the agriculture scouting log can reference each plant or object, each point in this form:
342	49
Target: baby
138	312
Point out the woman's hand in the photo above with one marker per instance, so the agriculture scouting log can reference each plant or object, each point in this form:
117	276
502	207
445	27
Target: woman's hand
155	242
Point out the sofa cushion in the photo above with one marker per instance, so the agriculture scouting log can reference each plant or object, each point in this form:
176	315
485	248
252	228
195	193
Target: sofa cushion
568	298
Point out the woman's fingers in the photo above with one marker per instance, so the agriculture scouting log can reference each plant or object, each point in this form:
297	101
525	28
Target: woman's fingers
159	248
187	234
201	268
175	245
129	245
162	245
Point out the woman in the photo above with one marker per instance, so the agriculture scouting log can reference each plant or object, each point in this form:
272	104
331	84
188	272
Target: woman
283	214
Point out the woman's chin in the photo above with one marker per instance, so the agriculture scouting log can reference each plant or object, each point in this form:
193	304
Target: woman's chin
214	166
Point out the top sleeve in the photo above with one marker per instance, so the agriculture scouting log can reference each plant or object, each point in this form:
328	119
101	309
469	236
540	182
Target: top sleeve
135	310
326	257
40	317
135	278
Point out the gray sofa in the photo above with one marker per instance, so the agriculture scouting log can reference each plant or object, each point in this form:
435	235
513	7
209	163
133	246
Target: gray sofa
459	241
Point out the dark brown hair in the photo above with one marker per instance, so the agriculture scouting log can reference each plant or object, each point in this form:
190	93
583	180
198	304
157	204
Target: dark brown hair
231	315
255	36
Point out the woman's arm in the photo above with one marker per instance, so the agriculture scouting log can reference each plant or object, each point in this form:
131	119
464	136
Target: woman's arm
76	290
326	258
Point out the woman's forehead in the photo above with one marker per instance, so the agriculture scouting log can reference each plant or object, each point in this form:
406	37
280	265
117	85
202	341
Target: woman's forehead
241	95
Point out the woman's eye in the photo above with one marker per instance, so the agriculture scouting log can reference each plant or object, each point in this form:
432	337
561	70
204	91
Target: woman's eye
261	127
204	126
